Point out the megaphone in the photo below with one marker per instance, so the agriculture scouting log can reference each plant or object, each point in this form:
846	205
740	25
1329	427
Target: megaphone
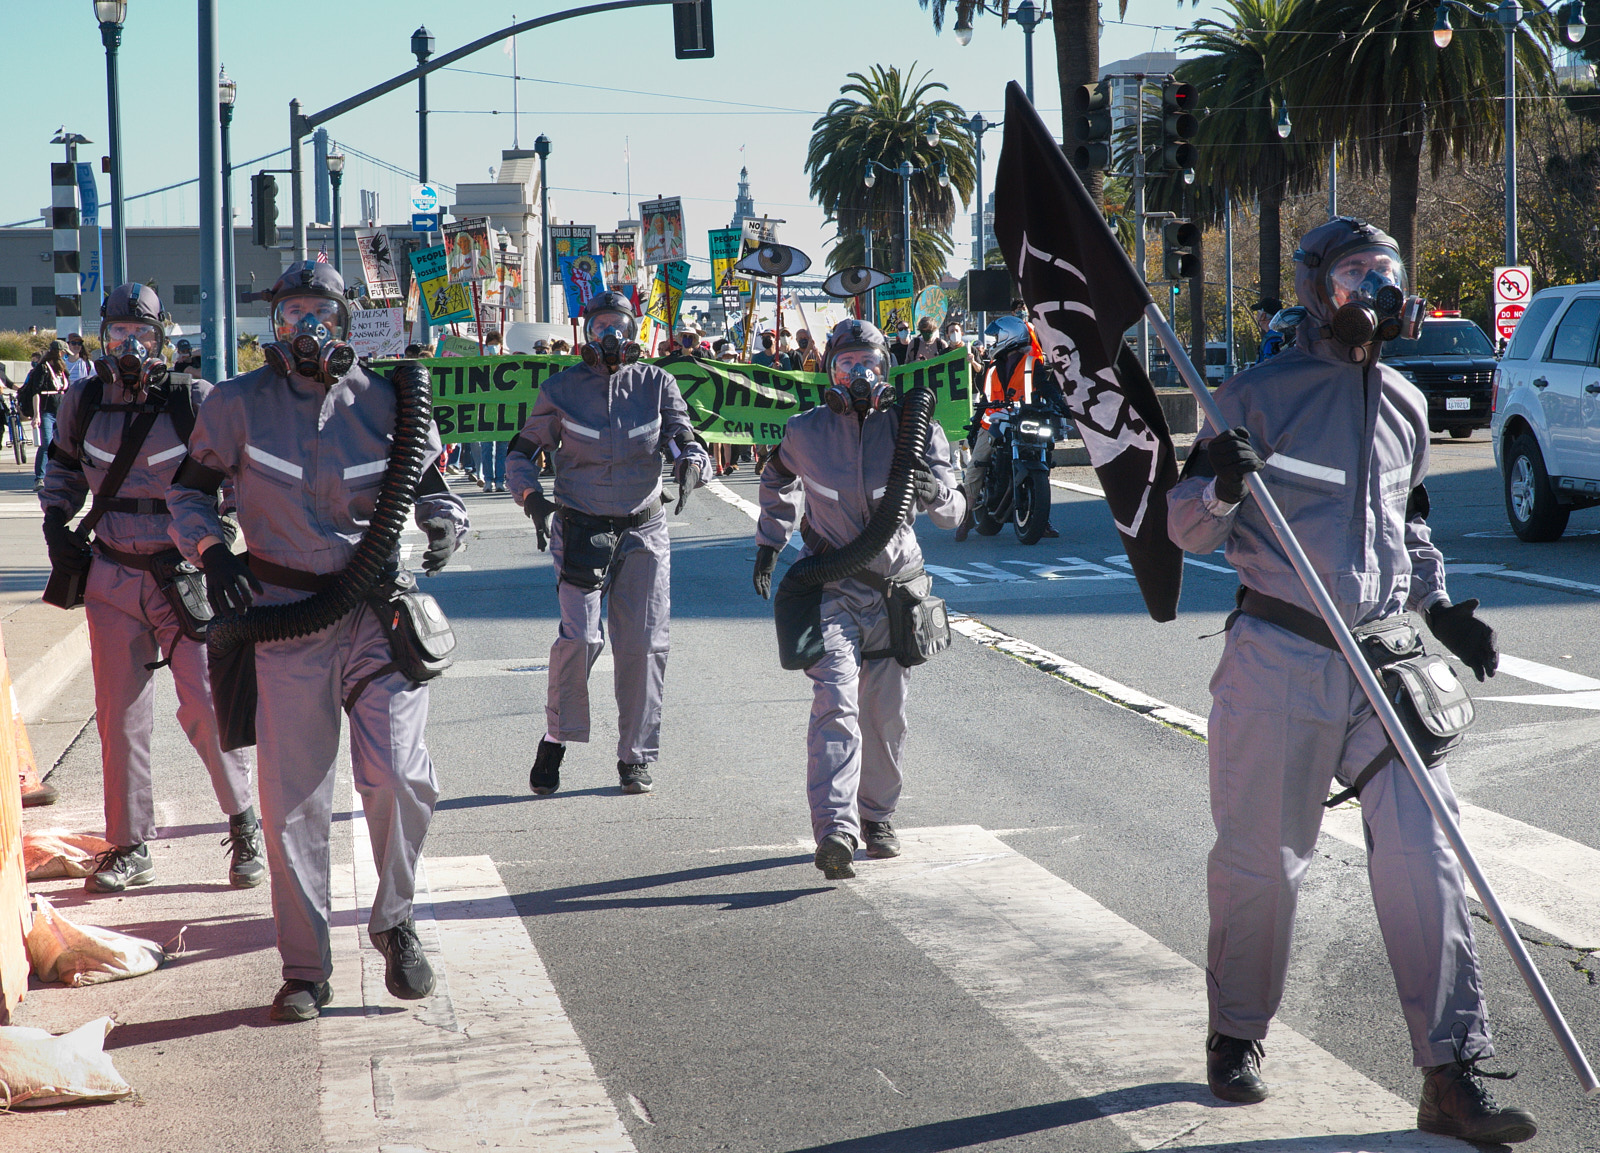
774	260
854	281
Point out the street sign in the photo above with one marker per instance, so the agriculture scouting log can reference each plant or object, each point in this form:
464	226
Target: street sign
424	198
1512	285
424	222
1505	319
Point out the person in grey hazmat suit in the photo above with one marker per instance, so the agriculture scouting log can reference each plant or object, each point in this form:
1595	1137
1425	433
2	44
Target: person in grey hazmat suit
1341	440
133	628
607	423
833	464
305	441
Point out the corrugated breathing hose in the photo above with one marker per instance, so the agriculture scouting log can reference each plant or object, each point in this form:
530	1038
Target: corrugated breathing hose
910	444
408	457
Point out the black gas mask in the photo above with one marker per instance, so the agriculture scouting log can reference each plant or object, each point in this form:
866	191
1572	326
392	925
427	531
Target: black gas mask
610	342
311	331
857	382
130	355
1365	287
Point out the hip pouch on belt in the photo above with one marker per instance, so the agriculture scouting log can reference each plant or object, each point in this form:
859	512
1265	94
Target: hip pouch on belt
1432	703
919	625
184	586
420	637
588	544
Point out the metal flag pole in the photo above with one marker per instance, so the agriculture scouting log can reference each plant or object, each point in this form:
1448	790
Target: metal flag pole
1386	713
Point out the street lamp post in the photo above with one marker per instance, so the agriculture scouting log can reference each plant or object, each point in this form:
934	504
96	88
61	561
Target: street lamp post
1508	14
422	48
336	176
111	14
905	172
210	132
541	147
1030	17
227	92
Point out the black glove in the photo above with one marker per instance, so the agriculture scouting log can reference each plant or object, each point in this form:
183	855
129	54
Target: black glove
1232	459
539	507
925	483
441	543
766	562
688	478
1471	640
68	551
228	581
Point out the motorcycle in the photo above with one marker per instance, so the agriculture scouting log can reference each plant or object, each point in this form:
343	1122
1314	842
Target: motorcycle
1024	437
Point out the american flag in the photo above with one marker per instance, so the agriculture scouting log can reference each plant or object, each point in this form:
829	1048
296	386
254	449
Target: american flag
322	256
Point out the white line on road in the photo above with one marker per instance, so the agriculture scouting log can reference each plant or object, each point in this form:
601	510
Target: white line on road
1547	675
1111	1010
489	1061
1083	488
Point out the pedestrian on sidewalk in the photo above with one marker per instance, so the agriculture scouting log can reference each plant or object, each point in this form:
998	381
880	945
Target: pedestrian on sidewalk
609	422
40	399
306	443
133	628
833	463
1347	437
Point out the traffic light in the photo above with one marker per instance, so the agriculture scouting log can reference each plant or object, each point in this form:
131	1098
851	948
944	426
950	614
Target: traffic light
1093	102
1179	239
691	30
264	210
1178	125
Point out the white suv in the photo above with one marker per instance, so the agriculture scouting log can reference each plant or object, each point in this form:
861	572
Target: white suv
1546	411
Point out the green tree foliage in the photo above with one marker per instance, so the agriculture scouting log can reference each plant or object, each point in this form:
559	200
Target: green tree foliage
883	116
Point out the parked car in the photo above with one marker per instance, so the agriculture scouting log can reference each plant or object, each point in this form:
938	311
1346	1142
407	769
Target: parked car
1216	362
1546	411
1453	363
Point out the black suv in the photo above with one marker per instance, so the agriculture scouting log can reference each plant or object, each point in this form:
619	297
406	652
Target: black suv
1453	363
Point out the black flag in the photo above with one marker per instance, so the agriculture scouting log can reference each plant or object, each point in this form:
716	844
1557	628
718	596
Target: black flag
1083	295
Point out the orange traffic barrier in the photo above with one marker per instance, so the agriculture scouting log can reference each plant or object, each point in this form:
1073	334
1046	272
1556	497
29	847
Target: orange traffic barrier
14	919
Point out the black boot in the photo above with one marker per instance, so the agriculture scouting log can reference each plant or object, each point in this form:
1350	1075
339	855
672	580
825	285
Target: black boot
965	526
1456	1103
545	776
1233	1069
243	841
835	856
634	779
880	839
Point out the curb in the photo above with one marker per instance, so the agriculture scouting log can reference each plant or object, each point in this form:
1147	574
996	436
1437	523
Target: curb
44	679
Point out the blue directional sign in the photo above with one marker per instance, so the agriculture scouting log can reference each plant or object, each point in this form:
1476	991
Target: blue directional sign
424	222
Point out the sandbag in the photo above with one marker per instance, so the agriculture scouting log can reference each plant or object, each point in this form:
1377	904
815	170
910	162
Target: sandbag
38	1070
52	853
74	954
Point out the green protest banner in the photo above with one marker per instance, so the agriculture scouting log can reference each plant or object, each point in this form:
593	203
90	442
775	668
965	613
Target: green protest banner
489	397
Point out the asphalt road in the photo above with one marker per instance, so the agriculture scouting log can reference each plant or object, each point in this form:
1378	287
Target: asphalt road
730	999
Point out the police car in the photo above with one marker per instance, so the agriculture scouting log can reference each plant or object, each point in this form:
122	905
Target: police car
1453	363
1546	406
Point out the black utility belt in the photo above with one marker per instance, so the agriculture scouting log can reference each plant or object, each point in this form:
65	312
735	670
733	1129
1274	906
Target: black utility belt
290	578
137	506
1432	703
584	521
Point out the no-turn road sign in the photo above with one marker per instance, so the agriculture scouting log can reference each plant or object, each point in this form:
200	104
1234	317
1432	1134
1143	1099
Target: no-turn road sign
1512	285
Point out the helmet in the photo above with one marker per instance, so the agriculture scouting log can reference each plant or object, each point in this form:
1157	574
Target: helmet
1352	281
1288	321
857	366
311	321
609	329
131	338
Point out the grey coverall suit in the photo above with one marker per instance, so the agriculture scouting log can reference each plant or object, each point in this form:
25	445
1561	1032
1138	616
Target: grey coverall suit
1344	447
306	461
131	625
608	434
836	469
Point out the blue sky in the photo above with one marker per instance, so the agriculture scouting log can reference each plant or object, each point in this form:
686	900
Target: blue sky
772	57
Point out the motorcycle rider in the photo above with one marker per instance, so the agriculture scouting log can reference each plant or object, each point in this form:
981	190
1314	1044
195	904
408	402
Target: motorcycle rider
607	422
1008	382
305	439
132	627
833	463
1336	430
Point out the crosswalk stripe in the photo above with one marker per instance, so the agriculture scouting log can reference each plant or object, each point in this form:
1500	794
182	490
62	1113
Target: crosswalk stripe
489	1061
1118	1015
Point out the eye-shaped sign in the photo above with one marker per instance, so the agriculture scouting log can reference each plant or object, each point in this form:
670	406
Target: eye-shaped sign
775	260
854	281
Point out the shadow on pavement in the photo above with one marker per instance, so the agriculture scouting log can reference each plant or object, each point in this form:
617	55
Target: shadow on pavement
602	895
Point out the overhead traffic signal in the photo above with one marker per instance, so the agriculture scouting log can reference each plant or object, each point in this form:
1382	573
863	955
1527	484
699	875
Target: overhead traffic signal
691	30
1178	126
1093	102
1179	239
264	210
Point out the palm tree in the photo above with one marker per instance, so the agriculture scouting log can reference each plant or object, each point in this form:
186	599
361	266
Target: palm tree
884	116
1367	74
1240	150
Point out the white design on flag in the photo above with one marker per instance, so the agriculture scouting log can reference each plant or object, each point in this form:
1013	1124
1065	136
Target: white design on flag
277	463
158	458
